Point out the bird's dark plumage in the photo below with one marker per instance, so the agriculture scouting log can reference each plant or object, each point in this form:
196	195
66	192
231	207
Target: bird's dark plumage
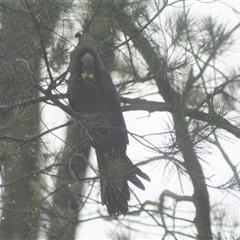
91	92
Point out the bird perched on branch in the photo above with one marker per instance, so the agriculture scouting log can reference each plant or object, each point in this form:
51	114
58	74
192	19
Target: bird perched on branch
92	94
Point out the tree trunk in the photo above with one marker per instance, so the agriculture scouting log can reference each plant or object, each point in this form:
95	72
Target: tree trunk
191	162
68	198
22	29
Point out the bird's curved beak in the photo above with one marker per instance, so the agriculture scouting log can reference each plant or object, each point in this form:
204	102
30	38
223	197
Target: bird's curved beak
87	63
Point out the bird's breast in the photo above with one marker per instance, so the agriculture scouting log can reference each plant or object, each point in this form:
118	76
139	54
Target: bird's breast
87	95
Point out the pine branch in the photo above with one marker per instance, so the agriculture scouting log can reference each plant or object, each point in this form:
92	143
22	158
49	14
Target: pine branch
137	105
152	106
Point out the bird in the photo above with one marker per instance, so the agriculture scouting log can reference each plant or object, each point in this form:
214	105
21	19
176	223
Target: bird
92	96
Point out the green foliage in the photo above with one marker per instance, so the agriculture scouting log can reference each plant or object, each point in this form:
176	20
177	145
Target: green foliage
26	33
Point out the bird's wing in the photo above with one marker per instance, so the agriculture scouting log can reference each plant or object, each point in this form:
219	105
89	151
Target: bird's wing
114	104
69	92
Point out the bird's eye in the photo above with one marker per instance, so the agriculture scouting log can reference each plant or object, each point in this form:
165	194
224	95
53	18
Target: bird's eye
87	62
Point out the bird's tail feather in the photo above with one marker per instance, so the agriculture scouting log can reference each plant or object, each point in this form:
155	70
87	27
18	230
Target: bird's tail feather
115	196
114	174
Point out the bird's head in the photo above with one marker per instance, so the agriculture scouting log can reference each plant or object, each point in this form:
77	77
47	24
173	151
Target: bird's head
85	61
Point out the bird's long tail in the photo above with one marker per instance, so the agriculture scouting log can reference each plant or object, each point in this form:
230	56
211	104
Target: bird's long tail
115	172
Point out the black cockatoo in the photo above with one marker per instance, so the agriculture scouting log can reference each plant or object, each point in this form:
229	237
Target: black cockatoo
92	93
